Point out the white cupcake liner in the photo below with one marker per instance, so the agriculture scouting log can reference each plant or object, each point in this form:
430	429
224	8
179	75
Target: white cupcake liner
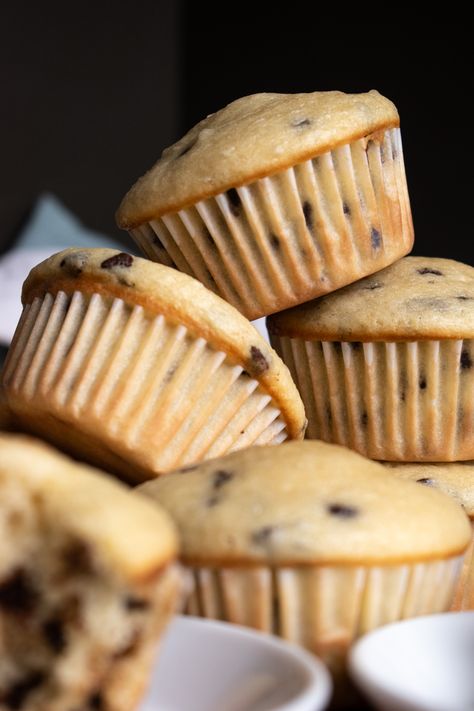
403	401
295	235
141	395
464	597
324	608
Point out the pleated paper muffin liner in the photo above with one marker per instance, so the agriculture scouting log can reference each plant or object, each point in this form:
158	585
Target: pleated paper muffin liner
324	608
301	233
159	396
401	401
464	597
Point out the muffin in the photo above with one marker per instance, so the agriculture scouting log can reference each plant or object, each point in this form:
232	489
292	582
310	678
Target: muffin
278	198
88	580
135	367
312	542
385	366
456	480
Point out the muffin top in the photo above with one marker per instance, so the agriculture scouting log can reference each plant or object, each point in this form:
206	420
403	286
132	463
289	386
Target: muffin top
182	300
455	479
133	536
251	138
415	298
304	503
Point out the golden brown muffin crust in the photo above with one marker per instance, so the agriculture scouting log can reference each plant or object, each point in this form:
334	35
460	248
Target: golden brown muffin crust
251	138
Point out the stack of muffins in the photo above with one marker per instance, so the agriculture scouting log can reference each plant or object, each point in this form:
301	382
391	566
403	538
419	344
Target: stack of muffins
295	208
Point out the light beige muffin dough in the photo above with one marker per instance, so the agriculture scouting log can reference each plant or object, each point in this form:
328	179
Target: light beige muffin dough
251	138
305	503
416	298
181	299
87	582
455	479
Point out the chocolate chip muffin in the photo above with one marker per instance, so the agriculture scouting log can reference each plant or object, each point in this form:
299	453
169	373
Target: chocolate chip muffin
88	581
137	368
385	365
278	198
455	480
313	542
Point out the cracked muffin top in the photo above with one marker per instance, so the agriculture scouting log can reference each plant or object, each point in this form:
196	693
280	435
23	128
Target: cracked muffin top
415	298
304	503
251	138
182	300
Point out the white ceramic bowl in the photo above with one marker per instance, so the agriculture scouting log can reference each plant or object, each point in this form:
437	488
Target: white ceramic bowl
213	666
421	664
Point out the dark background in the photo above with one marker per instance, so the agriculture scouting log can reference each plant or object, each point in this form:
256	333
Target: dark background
90	98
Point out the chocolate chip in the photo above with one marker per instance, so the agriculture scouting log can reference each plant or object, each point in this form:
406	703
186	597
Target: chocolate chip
346	209
342	510
375	238
77	558
259	364
74	263
234	201
275	242
17	694
134	604
17	594
96	701
422	382
464	298
364	418
221	477
425	480
308	214
262	535
122	259
428	270
53	632
373	285
466	361
157	242
301	123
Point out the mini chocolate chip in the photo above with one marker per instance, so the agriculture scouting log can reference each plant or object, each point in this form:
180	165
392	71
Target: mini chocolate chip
373	285
346	209
301	123
464	298
428	270
259	364
220	478
17	694
126	282
308	214
262	535
134	604
234	201
422	382
77	558
17	594
466	361
275	242
74	263
96	701
425	480
157	242
364	418
122	259
375	238
342	510
53	632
